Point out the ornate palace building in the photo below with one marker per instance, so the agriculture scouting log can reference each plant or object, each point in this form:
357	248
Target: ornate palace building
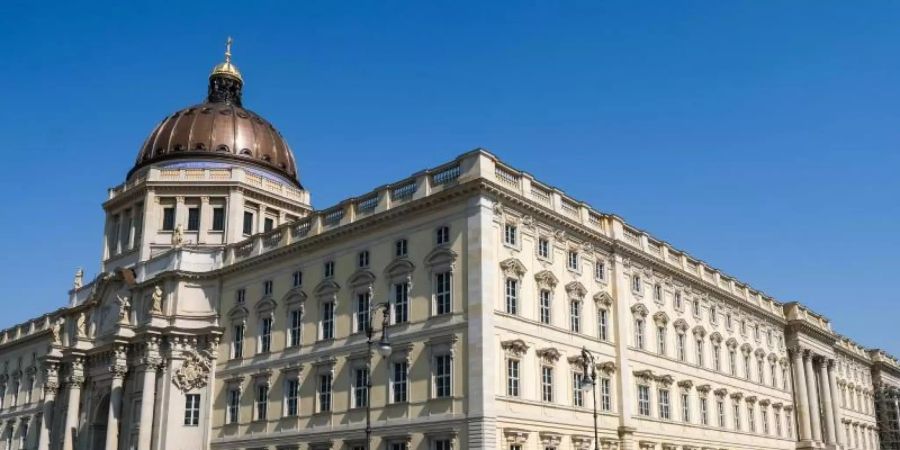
231	314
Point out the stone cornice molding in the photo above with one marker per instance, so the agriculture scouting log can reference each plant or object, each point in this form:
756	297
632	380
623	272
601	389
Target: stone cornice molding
576	290
603	299
513	268
646	376
516	436
661	318
514	348
548	355
545	279
686	384
665	380
704	388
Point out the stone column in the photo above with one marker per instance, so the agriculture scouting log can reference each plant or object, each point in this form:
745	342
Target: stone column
76	379
47	416
814	416
835	404
803	413
148	393
827	404
115	405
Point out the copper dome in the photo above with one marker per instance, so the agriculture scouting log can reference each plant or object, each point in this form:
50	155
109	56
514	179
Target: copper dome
219	129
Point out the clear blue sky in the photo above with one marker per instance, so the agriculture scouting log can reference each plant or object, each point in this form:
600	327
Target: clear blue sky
759	136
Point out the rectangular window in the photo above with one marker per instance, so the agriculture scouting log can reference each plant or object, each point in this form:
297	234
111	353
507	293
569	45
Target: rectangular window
543	248
717	358
328	269
193	218
747	366
328	320
442	444
789	426
677	300
572	260
325	392
643	400
362	259
547	384
218	219
292	397
442	293
704	411
575	316
760	372
512	296
362	311
240	296
294	332
297	278
603	324
720	409
764	419
262	402
732	362
657	292
400	248
577	390
510	235
685	407
664	412
399	385
237	346
545	306
442	235
679	347
636	283
168	218
639	333
751	419
777	416
360	388
736	412
234	405
267	287
192	410
401	303
512	377
268	224
661	340
248	223
442	374
600	270
265	335
398	446
699	346
605	394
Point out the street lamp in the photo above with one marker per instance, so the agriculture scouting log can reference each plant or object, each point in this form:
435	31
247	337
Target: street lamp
384	349
589	381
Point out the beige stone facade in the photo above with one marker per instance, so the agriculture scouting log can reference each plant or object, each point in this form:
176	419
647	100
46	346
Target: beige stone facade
230	314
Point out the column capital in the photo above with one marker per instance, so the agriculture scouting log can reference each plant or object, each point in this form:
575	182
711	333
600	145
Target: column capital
118	370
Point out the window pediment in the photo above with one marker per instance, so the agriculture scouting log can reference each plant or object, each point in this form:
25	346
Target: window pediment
731	343
576	290
639	310
327	288
603	299
665	380
238	312
715	338
361	278
548	355
441	258
681	325
645	375
399	268
294	296
661	318
545	279
513	268
699	331
265	305
514	347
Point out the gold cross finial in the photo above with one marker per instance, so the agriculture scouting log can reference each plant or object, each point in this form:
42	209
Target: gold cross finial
228	49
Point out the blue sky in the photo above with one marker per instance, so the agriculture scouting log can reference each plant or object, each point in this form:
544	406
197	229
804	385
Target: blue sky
759	136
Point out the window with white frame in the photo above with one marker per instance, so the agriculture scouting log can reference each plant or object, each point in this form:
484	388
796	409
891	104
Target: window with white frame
636	283
512	377
577	389
543	248
292	397
441	444
362	311
685	406
400	382
663	402
760	373
575	316
657	292
362	259
237	344
643	392
603	324
661	339
442	293
192	410
600	270
401	302
324	392
747	366
720	409
704	411
232	409
695	306
772	374
699	347
605	394
512	296
756	332
326	322
265	335
262	402
713	315
545	306
360	387
547	384
728	321
572	260
510	234
443	369
639	332
442	235
295	321
732	361
401	248
764	418
680	350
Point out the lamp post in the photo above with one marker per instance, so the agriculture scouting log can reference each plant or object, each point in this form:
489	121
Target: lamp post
384	348
589	380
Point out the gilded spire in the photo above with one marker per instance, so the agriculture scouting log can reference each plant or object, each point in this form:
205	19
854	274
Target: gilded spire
227	68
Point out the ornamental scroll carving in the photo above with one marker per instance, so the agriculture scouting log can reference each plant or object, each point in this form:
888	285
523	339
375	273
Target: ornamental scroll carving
194	371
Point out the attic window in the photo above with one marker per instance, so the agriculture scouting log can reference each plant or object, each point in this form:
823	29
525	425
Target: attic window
247	152
222	148
199	146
